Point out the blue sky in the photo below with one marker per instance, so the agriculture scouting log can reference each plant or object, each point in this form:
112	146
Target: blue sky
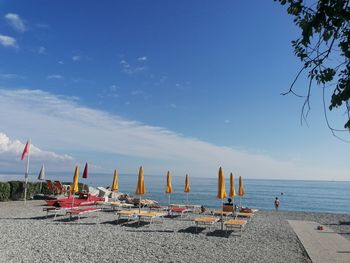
160	83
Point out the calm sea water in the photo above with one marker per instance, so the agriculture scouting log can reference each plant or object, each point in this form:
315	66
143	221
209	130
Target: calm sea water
317	196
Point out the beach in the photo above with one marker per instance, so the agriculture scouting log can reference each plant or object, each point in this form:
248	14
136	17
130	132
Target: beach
28	236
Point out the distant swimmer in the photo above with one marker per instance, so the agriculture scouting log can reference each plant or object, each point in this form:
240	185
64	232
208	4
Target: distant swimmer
281	193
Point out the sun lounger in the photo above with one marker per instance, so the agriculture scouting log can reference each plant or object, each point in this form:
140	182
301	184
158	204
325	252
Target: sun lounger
246	215
78	212
55	210
205	221
179	211
51	187
235	223
128	214
59	187
151	216
159	207
223	213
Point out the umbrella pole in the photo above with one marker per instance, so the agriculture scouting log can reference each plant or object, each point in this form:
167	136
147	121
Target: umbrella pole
187	197
41	184
169	199
140	204
222	208
83	187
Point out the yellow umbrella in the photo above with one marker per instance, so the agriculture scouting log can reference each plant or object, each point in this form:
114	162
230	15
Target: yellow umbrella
140	189
240	190
187	186
115	185
232	187
221	191
221	185
75	186
169	188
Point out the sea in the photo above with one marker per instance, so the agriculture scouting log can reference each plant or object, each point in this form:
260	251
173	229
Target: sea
294	195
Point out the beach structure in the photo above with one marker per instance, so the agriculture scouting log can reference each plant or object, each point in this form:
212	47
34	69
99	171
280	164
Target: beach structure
41	176
115	184
187	186
140	189
221	191
26	151
169	188
240	190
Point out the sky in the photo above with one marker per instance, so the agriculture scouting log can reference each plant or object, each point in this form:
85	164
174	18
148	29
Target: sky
185	86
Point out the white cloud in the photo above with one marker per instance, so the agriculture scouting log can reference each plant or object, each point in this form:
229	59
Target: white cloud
136	92
60	62
76	58
142	58
55	76
129	69
41	50
7	41
16	22
62	123
14	148
8	76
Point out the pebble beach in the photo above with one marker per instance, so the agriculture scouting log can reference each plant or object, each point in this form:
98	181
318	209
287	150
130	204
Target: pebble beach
28	236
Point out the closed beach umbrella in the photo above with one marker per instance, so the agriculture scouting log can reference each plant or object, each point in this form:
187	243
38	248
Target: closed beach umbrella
115	185
75	185
240	190
187	186
232	192
41	176
42	173
221	185
221	191
140	189
169	188
85	173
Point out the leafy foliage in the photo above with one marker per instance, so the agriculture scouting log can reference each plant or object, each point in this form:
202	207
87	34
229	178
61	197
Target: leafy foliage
323	47
4	191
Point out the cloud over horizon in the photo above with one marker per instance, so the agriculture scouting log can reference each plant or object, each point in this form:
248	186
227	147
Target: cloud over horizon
63	124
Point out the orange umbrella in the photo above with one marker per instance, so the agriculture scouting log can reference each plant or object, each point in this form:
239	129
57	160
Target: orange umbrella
115	185
221	191
169	188
187	186
140	189
240	190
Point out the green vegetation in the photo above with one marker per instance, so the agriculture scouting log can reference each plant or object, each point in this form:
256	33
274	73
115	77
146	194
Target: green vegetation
14	190
324	49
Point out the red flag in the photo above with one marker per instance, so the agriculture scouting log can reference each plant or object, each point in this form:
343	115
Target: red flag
85	173
25	151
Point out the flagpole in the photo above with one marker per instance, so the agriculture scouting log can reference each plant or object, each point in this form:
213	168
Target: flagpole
26	174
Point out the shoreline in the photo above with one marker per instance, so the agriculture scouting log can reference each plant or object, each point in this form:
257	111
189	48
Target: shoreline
30	237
